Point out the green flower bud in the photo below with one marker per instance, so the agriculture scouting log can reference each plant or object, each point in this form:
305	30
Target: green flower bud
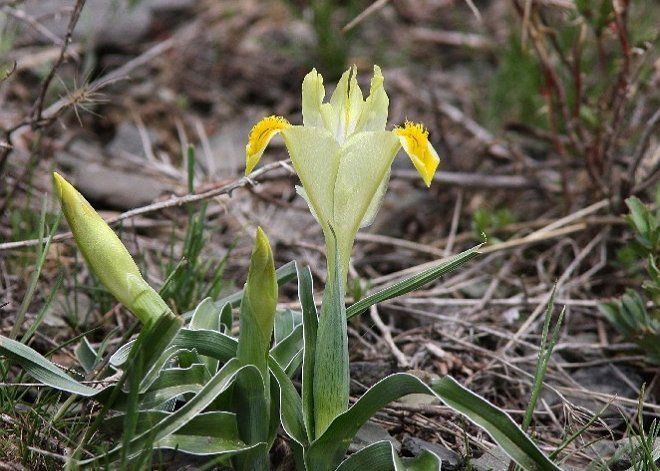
106	256
258	307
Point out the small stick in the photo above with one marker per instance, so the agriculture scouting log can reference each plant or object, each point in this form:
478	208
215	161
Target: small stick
75	16
401	358
371	9
169	203
454	224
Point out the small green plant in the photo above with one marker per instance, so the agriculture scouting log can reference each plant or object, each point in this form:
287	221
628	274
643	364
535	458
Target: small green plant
522	102
190	277
641	452
485	222
333	45
187	384
630	315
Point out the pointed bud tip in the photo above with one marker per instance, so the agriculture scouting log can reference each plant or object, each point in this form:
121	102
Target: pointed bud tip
262	244
59	183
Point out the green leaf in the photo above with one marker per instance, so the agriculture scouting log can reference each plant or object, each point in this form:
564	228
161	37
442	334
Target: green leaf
224	378
152	345
209	433
639	215
209	343
612	312
226	318
499	425
410	284
285	322
172	383
294	365
329	449
290	406
146	419
41	369
86	355
206	342
310	328
252	406
381	456
207	317
286	351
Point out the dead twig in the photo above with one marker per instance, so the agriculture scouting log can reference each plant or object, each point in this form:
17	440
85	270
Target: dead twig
370	10
452	38
472	180
39	105
402	360
175	201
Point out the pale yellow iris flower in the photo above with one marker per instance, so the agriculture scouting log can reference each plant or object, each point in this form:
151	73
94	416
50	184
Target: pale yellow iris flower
343	154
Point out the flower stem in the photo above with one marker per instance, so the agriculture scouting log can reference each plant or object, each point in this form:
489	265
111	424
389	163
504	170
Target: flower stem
331	369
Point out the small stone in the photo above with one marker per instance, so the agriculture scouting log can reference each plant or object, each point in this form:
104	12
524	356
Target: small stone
128	140
604	380
368	373
492	460
371	433
115	187
103	22
450	459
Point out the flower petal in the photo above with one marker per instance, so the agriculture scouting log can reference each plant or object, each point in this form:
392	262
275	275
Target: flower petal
313	93
376	202
260	136
342	113
314	153
366	159
375	109
415	141
303	194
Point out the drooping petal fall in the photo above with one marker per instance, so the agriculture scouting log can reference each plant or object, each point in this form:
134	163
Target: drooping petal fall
415	141
260	136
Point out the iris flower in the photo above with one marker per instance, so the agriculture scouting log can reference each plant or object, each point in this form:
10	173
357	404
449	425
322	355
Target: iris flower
343	155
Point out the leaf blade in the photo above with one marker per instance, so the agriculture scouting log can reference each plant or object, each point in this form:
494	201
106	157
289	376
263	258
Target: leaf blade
414	282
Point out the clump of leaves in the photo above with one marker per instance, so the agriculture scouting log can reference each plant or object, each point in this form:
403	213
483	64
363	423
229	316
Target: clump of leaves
630	314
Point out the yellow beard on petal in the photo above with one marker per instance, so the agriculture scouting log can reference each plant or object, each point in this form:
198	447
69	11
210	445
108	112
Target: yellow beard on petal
415	141
260	136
